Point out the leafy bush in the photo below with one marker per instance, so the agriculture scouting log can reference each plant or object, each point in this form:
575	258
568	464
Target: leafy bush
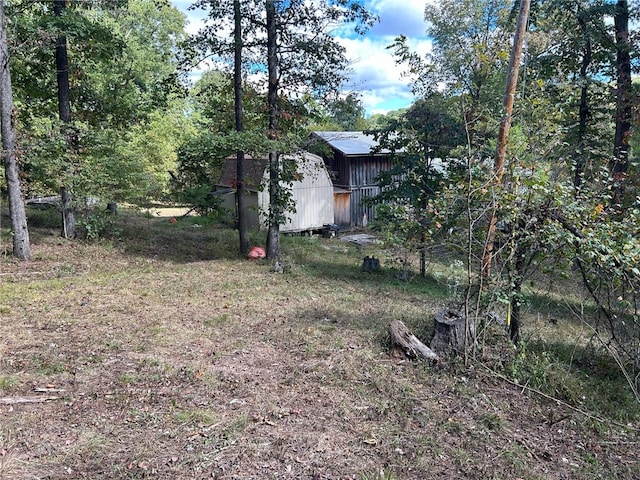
98	224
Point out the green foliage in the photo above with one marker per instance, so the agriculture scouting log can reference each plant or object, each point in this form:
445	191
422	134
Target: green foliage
421	140
203	200
123	81
471	42
347	113
580	375
212	98
200	160
98	224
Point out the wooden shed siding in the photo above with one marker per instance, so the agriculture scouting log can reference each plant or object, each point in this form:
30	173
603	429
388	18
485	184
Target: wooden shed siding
356	171
365	170
358	208
340	164
342	203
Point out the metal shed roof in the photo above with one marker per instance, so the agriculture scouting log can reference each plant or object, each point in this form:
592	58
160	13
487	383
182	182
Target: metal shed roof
351	143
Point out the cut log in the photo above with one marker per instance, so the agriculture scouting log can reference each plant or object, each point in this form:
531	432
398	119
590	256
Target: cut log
450	332
34	399
402	338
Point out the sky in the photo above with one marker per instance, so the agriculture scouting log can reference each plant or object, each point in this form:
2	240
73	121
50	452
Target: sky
375	76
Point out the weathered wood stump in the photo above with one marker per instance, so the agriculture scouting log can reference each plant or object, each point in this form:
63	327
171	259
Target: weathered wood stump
370	264
403	339
450	332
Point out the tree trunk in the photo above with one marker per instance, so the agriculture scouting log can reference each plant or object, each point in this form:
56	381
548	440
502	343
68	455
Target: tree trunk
517	278
275	201
21	244
620	162
403	339
583	112
243	226
62	69
68	217
64	112
505	126
453	332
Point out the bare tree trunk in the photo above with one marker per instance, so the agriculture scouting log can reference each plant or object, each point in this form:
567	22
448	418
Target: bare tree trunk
583	112
620	162
21	244
516	300
505	126
64	112
243	227
275	203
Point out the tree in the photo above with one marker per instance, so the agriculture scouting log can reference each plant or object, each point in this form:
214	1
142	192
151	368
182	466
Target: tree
348	112
243	224
470	51
299	57
569	59
275	202
123	86
64	112
421	140
505	126
21	244
620	161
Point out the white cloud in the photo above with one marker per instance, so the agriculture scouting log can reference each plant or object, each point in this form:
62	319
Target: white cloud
375	74
397	17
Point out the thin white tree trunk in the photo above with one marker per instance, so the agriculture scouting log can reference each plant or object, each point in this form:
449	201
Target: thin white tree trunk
21	245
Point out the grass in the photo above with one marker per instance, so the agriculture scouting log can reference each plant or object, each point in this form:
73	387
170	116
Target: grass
180	359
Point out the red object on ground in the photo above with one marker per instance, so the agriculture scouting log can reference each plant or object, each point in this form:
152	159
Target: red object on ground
173	220
256	252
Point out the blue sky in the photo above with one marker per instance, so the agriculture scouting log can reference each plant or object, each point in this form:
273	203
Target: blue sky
375	75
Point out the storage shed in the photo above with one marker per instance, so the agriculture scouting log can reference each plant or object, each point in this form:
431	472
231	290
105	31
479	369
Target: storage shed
355	163
312	192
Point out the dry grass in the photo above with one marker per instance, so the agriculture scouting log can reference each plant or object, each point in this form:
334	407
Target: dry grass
179	359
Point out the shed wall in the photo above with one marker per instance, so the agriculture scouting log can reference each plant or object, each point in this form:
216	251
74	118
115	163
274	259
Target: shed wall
312	194
229	202
342	204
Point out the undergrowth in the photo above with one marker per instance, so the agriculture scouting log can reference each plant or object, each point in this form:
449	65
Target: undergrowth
176	336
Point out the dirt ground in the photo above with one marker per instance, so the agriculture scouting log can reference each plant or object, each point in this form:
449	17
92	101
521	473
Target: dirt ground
211	366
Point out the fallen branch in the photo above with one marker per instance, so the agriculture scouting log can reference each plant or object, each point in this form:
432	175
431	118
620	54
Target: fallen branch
48	390
33	399
401	337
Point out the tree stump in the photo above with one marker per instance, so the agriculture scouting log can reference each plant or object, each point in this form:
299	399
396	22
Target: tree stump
402	338
370	264
450	332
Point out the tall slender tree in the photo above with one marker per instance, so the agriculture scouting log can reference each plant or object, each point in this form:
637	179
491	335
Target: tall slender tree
243	224
291	42
302	57
503	141
21	244
620	161
275	203
64	113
